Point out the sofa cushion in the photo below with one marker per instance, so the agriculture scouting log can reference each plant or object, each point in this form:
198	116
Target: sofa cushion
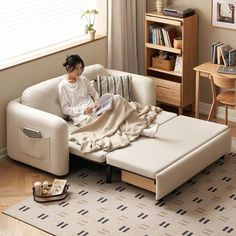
91	72
176	138
165	116
115	84
44	96
100	156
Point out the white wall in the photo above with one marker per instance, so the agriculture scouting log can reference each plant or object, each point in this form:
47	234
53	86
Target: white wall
15	79
207	34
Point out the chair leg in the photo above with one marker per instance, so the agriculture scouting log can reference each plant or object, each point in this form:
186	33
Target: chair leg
226	114
213	105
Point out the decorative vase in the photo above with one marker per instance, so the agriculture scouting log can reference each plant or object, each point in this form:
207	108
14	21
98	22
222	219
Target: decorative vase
160	6
91	35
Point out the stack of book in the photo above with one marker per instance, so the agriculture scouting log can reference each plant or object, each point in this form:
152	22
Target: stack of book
222	53
162	35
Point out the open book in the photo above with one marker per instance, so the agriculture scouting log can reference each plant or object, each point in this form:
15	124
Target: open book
104	103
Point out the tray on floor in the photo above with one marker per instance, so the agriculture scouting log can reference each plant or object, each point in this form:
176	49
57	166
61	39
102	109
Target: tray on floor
45	197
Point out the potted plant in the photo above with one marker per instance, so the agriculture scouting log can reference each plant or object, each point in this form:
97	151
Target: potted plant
90	15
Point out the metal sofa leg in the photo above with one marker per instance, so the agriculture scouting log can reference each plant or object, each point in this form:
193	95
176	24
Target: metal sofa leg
108	174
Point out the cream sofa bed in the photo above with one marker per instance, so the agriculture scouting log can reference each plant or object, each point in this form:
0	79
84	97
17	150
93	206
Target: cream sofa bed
184	145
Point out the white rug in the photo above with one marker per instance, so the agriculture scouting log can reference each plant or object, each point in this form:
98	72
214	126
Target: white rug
205	205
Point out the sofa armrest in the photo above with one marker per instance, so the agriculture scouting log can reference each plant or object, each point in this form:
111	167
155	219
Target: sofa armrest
143	88
51	151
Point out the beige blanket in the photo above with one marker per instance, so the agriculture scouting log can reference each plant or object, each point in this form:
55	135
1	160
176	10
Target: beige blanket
115	128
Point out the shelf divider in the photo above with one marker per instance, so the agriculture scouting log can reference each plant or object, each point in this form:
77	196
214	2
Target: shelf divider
165	71
164	48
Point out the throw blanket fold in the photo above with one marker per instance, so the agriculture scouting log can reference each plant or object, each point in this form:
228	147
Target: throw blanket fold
115	128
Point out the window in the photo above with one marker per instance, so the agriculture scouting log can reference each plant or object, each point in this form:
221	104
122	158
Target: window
36	27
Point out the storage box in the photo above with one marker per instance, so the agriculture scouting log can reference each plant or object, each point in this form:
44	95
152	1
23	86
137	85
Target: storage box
163	64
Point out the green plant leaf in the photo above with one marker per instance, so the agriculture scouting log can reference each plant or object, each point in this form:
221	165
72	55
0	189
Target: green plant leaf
90	18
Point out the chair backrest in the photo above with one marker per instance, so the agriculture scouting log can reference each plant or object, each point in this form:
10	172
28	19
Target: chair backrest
223	81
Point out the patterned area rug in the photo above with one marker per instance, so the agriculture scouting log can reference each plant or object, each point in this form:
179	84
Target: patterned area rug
205	205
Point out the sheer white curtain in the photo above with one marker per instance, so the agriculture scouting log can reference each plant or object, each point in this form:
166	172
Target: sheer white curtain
30	29
126	35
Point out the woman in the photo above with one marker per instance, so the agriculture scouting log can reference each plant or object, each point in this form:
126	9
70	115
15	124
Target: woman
76	94
113	129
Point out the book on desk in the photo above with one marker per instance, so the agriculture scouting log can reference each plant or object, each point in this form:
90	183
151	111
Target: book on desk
227	70
222	53
232	57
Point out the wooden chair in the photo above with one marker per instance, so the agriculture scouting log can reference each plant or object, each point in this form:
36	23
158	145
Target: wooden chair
226	96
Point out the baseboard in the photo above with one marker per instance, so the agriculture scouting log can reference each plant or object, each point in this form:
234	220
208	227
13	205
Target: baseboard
204	108
3	153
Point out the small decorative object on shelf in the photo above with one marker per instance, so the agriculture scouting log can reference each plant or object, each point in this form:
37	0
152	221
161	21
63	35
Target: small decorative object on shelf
178	11
50	192
160	6
90	18
178	42
163	61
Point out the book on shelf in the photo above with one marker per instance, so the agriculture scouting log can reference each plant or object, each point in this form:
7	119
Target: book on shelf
155	36
178	64
162	35
152	33
232	57
171	34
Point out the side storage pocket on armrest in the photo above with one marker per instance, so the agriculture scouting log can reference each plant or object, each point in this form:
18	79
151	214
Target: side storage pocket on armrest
36	147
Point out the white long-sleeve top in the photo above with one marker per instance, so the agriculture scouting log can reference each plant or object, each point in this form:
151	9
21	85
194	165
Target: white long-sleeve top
75	97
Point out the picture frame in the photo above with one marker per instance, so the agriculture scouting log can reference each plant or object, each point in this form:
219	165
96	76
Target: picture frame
223	14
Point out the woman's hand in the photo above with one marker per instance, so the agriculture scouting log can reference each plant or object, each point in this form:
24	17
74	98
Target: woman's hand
88	110
96	104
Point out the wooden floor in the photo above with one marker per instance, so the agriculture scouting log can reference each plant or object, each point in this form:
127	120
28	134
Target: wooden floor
16	182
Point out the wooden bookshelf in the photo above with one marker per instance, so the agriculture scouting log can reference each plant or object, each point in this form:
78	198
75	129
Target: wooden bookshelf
173	87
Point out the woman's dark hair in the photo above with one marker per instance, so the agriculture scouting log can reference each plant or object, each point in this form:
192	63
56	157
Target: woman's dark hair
72	61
